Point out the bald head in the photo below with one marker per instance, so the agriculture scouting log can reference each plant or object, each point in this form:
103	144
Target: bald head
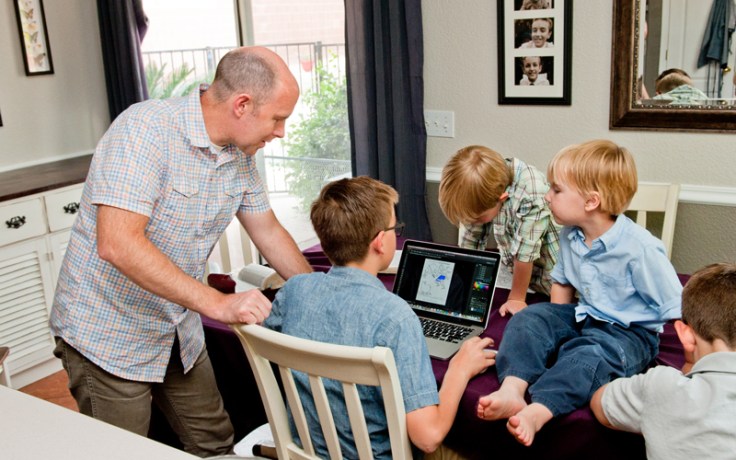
254	70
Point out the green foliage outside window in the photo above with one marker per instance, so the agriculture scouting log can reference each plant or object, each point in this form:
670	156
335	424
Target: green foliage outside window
162	84
322	134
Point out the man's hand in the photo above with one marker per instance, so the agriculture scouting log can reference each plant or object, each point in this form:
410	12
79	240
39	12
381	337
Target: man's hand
243	307
474	356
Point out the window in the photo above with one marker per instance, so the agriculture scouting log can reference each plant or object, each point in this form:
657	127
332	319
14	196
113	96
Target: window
186	39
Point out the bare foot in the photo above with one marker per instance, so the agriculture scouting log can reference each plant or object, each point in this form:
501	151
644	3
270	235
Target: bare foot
525	424
500	404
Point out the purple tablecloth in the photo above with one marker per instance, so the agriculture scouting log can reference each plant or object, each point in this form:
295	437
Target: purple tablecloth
574	436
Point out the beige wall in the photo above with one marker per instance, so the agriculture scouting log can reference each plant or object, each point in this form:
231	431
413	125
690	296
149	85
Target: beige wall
49	117
55	116
461	76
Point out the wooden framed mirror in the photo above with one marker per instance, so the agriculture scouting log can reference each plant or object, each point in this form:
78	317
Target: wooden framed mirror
628	109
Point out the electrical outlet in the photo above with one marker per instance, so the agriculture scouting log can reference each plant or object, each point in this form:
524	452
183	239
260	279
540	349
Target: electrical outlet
439	123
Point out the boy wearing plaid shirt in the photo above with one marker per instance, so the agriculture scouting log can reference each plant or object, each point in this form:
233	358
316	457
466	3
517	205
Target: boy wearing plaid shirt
483	193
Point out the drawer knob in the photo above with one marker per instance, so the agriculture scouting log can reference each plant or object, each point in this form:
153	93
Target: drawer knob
71	208
16	222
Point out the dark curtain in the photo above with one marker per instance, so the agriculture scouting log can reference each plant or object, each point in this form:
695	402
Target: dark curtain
122	27
385	56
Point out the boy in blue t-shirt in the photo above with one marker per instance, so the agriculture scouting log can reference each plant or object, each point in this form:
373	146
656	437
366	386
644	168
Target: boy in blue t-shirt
356	225
563	351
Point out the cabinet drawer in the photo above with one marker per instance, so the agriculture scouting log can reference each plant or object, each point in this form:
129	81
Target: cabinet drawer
21	220
62	208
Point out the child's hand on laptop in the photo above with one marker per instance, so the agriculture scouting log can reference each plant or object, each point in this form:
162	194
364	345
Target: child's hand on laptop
512	306
474	357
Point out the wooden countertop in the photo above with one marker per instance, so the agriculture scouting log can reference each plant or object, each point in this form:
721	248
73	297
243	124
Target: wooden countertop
48	176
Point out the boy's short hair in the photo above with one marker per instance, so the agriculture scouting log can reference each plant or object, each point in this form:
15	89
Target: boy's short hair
671	79
597	166
349	213
709	303
550	23
472	182
524	58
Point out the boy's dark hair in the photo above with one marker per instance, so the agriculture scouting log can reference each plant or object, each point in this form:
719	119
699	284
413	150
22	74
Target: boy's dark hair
349	213
709	303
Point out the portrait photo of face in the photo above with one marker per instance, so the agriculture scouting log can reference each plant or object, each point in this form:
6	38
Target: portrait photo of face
523	5
534	71
534	33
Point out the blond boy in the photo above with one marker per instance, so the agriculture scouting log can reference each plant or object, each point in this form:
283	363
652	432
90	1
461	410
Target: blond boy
562	351
688	414
483	193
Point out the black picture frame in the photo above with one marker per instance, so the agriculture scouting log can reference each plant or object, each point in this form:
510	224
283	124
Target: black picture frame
34	37
535	52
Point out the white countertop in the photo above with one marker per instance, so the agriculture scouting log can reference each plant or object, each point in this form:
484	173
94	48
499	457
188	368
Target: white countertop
34	429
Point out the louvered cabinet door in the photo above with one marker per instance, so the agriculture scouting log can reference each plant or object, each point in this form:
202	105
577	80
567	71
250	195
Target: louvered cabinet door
26	291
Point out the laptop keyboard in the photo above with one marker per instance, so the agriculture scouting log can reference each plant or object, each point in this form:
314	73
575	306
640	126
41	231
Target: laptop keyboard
444	331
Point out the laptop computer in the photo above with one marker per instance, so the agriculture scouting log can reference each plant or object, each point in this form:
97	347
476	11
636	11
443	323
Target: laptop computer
450	289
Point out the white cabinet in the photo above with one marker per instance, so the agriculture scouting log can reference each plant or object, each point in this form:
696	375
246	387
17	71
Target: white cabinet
34	232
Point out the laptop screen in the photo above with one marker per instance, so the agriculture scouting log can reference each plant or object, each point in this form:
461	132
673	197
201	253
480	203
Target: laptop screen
446	282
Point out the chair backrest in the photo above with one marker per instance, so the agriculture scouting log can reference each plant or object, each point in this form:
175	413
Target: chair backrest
234	249
652	197
350	365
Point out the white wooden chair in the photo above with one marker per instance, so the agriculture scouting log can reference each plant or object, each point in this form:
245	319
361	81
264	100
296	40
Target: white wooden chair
654	197
350	365
234	249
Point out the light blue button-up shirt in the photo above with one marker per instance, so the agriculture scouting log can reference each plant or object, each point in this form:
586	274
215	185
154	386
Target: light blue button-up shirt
624	278
348	306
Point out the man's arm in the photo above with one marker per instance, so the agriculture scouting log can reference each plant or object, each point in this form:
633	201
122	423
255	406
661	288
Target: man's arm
121	241
275	243
429	425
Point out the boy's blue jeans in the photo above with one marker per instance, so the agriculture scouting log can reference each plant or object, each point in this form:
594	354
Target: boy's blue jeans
564	361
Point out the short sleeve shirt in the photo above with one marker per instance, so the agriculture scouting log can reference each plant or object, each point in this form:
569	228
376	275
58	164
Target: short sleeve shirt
681	416
624	278
524	228
348	306
155	160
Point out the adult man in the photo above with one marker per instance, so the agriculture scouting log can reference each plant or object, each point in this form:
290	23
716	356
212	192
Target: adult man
165	181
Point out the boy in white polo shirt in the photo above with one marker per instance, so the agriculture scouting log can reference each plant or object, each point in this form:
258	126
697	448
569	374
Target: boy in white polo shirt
688	414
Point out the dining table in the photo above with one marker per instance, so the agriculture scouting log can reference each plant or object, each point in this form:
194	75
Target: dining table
576	435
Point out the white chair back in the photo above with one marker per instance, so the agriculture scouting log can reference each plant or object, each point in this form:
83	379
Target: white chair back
653	197
351	366
234	249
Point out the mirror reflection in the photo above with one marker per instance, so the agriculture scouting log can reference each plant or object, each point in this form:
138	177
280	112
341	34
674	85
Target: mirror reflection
685	54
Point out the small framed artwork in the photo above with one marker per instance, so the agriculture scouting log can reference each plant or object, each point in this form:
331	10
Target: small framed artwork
34	38
534	52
